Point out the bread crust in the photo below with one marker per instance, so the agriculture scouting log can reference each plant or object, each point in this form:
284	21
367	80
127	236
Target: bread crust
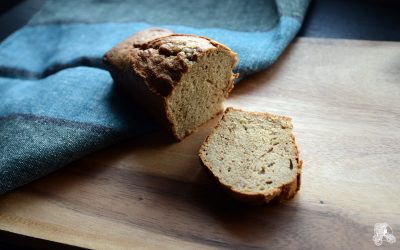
150	63
280	194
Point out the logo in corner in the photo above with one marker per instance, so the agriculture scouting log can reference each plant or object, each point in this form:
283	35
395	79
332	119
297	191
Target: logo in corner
383	232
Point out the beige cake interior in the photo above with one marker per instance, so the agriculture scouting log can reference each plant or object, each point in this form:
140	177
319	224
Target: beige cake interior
199	95
252	152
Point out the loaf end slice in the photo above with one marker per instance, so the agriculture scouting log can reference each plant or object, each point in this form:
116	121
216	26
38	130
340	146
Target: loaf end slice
254	156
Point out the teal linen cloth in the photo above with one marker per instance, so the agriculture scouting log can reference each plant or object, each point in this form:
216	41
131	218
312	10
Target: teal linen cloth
57	101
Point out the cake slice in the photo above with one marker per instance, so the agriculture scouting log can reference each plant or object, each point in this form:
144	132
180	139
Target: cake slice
254	156
181	80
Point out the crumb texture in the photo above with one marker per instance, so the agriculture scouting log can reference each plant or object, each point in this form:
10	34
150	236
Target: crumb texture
200	94
253	153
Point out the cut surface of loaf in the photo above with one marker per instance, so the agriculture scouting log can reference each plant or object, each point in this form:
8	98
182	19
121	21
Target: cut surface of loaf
254	156
182	80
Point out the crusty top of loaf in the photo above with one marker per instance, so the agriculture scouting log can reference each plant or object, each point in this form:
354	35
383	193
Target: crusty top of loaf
118	57
160	58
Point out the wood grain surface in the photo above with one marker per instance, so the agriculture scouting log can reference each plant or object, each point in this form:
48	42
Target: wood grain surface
344	98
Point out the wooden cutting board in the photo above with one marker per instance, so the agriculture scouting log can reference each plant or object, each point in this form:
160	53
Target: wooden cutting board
344	98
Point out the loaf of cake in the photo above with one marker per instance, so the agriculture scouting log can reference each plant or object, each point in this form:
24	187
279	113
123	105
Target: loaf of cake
254	156
181	80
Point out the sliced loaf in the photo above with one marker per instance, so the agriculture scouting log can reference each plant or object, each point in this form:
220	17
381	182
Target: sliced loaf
254	156
181	80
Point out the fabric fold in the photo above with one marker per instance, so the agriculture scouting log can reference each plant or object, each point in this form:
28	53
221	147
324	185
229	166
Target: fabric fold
47	123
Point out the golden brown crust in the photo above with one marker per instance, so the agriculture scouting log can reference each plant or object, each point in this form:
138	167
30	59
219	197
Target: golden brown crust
118	56
163	61
119	64
283	193
157	59
161	57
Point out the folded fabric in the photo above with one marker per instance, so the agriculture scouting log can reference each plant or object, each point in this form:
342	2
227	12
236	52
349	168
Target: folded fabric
57	103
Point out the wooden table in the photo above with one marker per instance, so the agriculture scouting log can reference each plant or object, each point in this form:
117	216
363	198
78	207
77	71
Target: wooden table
344	98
